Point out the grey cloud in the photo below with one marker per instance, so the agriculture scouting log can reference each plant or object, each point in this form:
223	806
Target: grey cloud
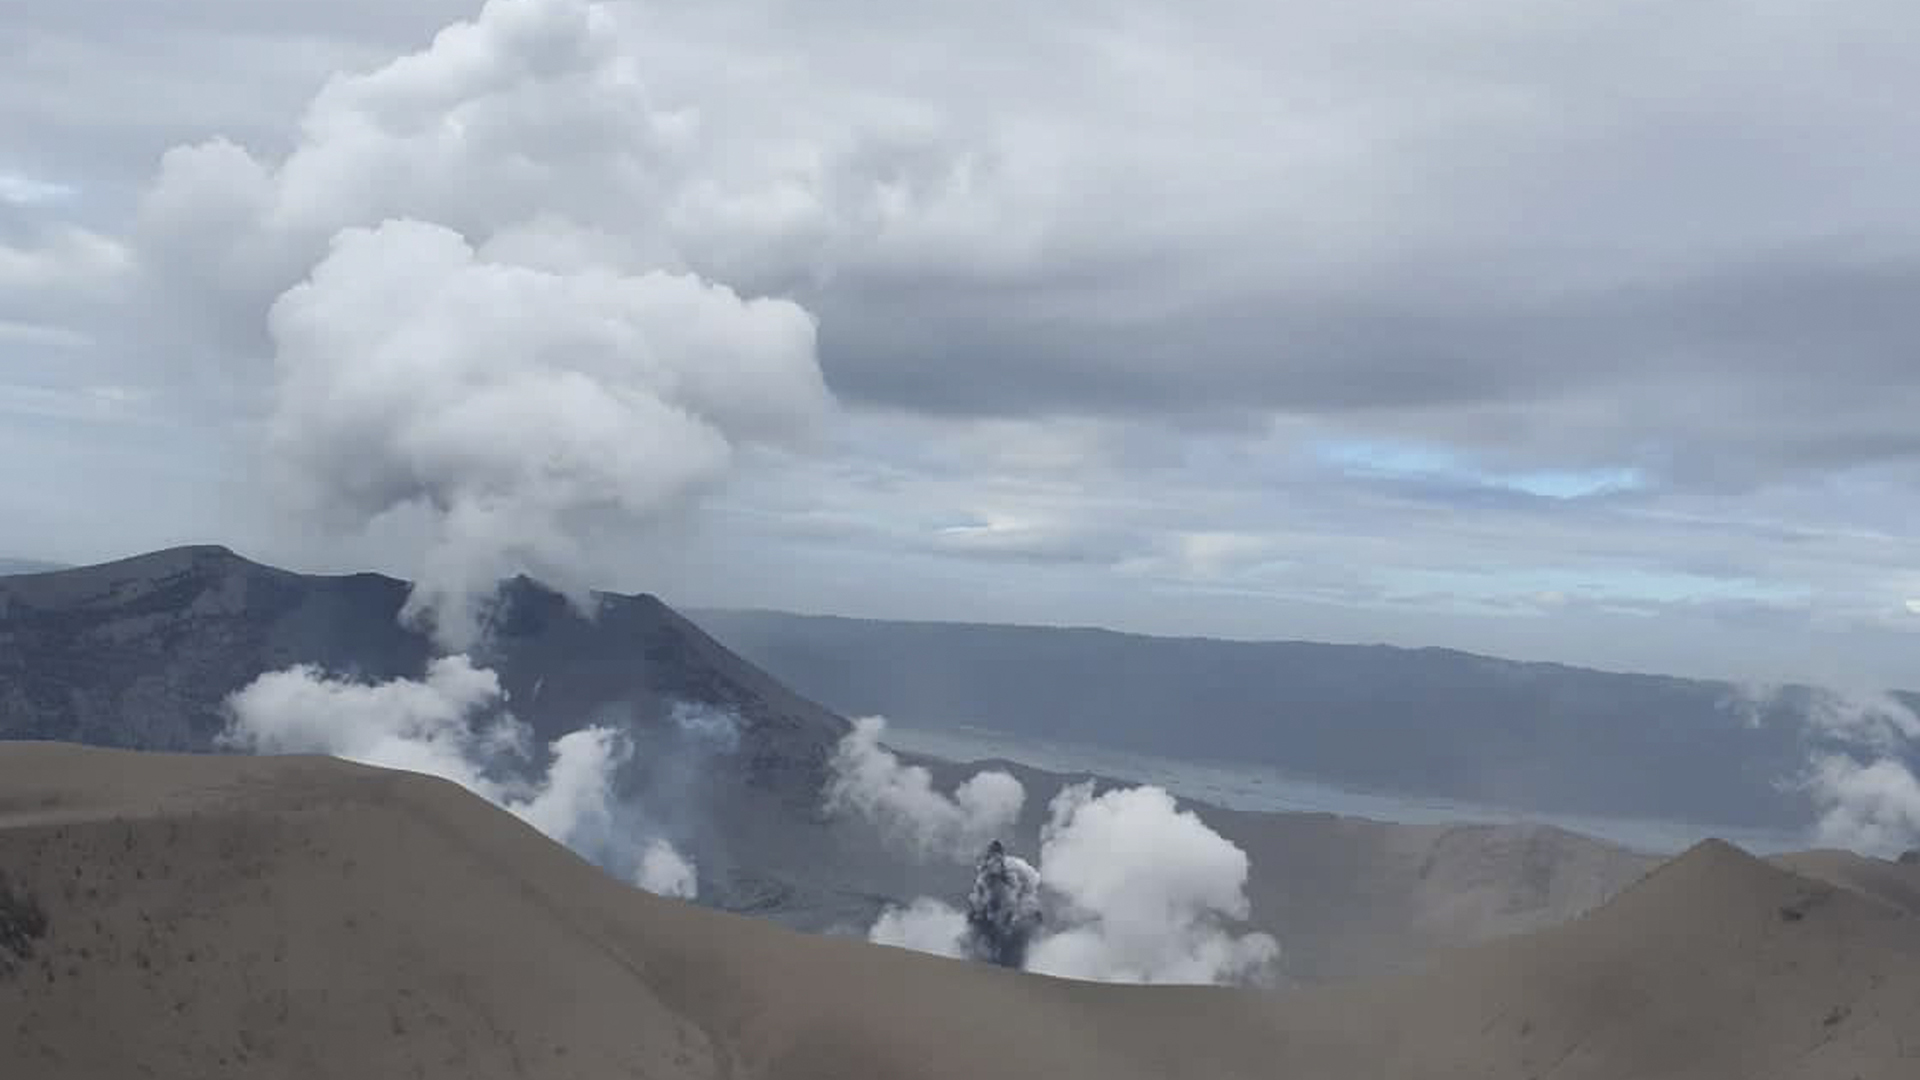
1095	280
1765	368
1547	234
94	91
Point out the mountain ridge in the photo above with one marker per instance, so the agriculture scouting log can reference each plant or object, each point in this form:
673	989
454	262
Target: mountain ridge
143	652
1541	737
229	916
1094	629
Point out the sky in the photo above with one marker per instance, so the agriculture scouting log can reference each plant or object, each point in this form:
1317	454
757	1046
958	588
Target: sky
1556	330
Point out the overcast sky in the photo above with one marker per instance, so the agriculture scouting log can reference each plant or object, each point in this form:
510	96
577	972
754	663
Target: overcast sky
1545	328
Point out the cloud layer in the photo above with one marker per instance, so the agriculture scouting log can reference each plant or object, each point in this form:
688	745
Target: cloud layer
1507	325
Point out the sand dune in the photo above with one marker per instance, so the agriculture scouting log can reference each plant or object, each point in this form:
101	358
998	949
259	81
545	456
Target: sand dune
1897	884
301	917
1715	965
1354	898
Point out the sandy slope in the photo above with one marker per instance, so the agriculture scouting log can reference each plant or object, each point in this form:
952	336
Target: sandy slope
305	918
1355	898
1892	883
1716	965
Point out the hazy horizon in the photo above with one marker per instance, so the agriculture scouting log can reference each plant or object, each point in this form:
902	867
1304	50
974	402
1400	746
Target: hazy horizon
1760	678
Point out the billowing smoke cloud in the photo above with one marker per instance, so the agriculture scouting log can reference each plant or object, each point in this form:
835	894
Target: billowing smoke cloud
870	780
454	724
1004	912
514	405
1861	750
1871	807
1861	776
925	925
1874	721
706	729
484	335
665	871
1149	891
1128	887
1003	908
445	725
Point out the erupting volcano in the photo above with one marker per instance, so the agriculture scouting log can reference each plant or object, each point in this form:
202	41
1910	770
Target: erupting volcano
1003	908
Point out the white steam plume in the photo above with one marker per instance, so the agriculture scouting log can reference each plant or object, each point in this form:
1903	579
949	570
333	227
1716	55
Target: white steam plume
925	925
663	870
439	725
870	780
1865	790
471	275
453	724
1871	721
1869	807
513	405
1148	889
1128	887
1859	773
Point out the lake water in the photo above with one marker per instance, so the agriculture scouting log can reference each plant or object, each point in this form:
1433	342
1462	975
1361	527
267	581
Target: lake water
1255	787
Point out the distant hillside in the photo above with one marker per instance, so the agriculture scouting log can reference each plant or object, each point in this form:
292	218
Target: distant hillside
27	566
142	653
1424	721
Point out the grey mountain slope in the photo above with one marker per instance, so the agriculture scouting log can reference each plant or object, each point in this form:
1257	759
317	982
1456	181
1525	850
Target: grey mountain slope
169	635
297	917
27	566
141	653
1433	722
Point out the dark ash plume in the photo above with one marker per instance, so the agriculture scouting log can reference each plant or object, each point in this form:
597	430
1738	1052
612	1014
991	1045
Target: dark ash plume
1003	910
